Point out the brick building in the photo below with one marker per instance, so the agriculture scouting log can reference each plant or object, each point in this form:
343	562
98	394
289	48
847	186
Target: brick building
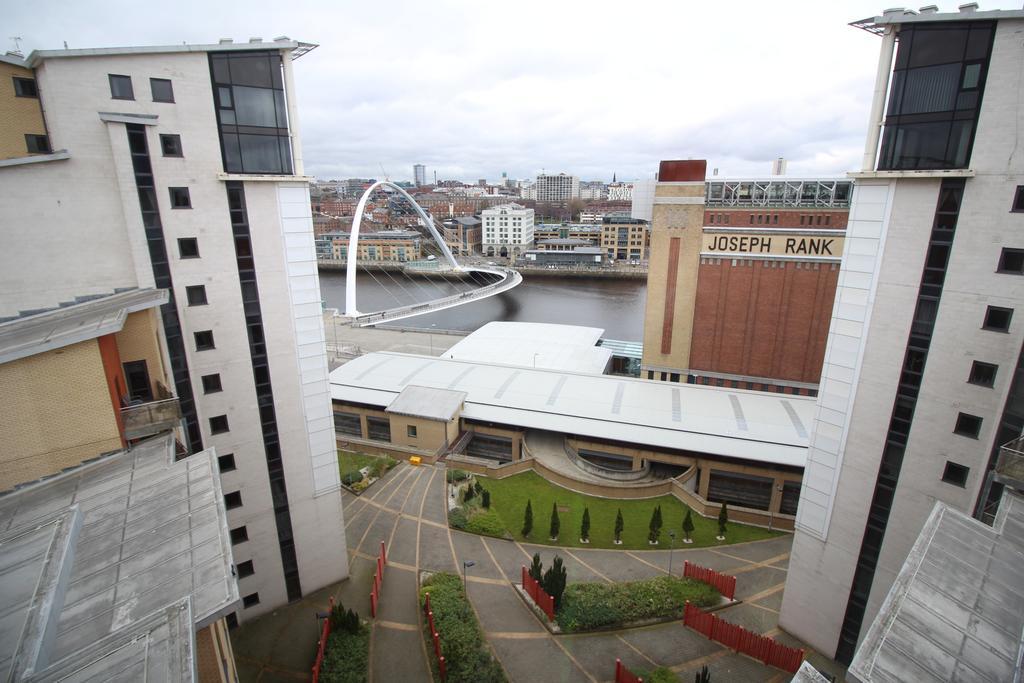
745	301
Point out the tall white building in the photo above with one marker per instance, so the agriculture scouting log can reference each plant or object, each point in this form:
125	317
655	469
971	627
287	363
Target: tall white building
620	192
419	172
557	188
179	168
592	190
922	380
507	230
642	199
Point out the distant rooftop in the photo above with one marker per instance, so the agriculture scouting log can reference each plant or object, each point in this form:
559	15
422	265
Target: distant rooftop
427	402
956	609
298	48
534	345
108	568
930	13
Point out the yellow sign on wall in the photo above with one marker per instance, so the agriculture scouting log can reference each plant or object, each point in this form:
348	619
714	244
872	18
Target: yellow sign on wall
795	244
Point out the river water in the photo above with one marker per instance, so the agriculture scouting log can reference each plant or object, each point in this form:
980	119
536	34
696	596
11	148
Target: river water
617	306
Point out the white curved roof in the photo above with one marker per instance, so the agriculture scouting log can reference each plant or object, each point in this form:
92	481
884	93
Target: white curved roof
752	425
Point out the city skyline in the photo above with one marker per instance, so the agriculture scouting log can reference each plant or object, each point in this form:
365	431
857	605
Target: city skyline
563	97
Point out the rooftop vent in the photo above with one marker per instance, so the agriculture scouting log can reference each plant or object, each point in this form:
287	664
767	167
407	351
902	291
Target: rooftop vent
225	41
279	39
892	11
969	7
929	9
256	39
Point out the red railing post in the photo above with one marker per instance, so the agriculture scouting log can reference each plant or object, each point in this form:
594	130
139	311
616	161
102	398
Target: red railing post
383	553
442	668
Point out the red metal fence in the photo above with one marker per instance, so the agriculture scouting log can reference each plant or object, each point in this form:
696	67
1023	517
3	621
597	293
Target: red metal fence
326	631
543	600
436	637
725	584
378	579
624	675
740	639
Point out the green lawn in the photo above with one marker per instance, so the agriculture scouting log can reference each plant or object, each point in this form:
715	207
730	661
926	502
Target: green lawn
509	496
349	461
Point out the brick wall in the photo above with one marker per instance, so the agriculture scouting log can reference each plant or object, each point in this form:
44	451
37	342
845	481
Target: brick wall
763	318
777	218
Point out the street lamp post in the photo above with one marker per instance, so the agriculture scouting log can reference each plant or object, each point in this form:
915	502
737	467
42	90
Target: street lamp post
671	547
466	564
431	336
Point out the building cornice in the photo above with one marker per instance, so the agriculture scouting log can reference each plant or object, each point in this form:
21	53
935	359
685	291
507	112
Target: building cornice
59	155
924	175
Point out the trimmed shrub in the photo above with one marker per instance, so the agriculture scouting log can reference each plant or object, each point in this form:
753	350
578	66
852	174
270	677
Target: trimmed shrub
457	518
528	519
654	527
536	568
687	525
588	606
352	477
585	525
381	465
462	642
456	475
618	525
486	522
555	524
346	656
554	581
485	499
723	519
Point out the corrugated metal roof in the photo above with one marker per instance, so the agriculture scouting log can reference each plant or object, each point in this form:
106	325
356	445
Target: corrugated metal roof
427	402
718	421
535	345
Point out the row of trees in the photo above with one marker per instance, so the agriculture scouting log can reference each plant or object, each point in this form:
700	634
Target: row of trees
552	580
654	527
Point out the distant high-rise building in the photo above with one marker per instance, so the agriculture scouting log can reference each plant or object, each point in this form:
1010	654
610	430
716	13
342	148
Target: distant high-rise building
507	230
923	378
557	188
779	166
419	172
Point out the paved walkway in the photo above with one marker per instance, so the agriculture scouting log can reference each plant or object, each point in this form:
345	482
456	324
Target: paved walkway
407	511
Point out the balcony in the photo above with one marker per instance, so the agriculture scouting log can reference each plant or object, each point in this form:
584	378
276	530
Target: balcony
142	419
1010	466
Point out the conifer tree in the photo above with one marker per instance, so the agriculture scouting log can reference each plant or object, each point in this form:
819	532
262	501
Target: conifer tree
654	531
536	568
555	524
723	519
485	499
687	526
618	526
528	519
585	526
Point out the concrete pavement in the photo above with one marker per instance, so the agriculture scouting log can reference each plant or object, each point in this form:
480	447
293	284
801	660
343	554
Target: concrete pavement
406	510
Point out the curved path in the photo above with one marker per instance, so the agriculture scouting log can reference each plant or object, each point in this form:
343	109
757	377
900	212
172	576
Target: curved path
406	510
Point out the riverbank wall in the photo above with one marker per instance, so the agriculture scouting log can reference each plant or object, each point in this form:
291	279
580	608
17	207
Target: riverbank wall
604	273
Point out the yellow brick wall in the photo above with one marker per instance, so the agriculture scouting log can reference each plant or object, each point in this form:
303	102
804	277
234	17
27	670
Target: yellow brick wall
139	340
214	655
430	435
18	115
56	413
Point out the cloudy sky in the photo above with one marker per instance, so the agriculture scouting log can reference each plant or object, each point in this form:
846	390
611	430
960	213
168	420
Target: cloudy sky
472	89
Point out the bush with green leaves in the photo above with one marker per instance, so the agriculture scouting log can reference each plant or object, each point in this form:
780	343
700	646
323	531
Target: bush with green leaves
527	519
344	620
585	525
462	642
589	606
352	477
468	494
554	581
456	475
457	518
555	524
382	465
485	499
537	568
486	523
346	656
702	676
723	519
478	488
619	525
662	674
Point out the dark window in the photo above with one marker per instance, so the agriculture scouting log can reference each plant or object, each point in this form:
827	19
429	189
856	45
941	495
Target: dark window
967	425
997	319
227	462
25	87
204	340
983	374
211	384
171	145
188	247
955	474
1011	261
136	379
245	569
121	87
232	621
378	429
180	198
251	600
233	500
162	90
411	431
239	535
1018	199
37	144
219	424
196	295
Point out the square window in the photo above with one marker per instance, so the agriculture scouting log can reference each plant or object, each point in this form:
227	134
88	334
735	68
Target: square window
170	144
251	600
997	319
1011	261
218	424
211	384
25	87
983	374
188	247
955	474
239	535
245	569
204	340
37	144
196	295
233	500
232	620
161	89
967	425
410	430
121	87
1018	198
227	463
180	198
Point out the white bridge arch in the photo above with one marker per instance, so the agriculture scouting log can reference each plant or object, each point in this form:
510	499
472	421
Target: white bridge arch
509	277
